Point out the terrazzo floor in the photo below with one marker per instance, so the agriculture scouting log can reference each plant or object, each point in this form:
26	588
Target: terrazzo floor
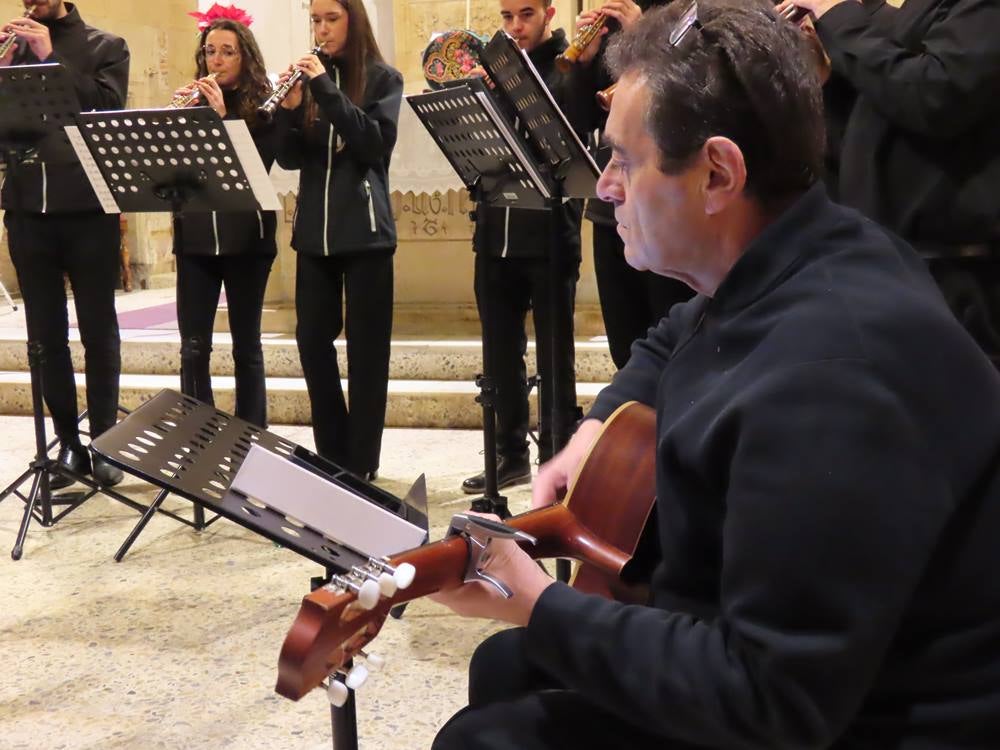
176	647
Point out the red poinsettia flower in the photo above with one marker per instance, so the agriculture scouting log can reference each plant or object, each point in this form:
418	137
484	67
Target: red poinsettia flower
218	11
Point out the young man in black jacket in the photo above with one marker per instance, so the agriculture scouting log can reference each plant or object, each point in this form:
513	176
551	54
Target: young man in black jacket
514	274
919	153
828	496
55	226
631	301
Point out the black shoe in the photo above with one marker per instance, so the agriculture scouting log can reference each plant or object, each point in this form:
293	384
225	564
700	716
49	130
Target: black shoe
105	474
510	471
74	457
371	476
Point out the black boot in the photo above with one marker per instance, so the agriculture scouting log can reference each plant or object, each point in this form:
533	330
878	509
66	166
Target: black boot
74	457
510	471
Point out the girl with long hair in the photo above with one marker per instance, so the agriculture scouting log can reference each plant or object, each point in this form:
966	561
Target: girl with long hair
338	126
234	250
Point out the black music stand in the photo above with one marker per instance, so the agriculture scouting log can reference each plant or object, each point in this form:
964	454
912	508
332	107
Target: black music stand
171	160
512	146
36	102
194	451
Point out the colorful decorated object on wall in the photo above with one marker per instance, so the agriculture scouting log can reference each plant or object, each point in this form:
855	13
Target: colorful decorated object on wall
451	55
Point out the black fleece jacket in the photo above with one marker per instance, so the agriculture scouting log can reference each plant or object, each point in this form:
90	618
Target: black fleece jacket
232	232
522	232
828	484
343	201
920	153
98	64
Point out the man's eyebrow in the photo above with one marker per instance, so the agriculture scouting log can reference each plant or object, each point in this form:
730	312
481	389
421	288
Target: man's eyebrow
609	142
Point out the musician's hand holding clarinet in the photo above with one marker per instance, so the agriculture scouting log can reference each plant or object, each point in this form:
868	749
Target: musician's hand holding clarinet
309	66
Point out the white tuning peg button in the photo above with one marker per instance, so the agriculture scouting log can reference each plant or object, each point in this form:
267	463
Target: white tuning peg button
374	662
368	594
404	575
336	691
387	584
357	676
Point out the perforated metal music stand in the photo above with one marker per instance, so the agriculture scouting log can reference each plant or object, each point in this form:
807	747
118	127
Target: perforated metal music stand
193	450
511	146
172	160
36	102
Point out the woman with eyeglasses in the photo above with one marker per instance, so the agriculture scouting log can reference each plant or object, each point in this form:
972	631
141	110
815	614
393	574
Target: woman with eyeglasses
234	250
338	126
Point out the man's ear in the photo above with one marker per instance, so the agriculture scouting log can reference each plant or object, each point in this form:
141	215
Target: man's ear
550	13
726	173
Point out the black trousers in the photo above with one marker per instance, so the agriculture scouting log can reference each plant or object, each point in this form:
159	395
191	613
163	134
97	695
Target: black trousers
506	288
199	280
361	283
631	301
85	248
514	706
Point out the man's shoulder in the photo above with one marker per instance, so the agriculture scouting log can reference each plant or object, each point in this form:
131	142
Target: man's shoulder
95	35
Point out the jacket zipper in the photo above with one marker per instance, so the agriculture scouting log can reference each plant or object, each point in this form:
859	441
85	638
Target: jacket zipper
506	231
371	204
260	223
215	230
326	195
329	171
45	189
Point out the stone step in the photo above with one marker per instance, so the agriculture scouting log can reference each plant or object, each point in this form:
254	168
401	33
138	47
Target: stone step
412	403
158	353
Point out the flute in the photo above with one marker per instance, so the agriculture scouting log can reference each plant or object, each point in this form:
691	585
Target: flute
10	41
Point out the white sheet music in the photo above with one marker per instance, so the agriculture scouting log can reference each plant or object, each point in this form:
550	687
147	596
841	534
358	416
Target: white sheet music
97	182
253	166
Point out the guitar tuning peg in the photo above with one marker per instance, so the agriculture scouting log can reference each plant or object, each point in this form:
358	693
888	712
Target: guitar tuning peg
387	584
373	661
404	575
369	594
336	692
356	677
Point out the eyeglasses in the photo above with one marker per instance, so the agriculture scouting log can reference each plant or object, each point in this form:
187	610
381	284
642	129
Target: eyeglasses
687	20
228	53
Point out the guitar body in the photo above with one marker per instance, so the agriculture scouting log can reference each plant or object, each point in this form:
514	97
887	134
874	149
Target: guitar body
599	524
614	492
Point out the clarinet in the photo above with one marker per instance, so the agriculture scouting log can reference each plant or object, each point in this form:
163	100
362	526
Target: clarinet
266	110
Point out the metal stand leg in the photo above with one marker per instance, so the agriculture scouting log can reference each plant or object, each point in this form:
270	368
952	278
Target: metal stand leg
344	723
146	517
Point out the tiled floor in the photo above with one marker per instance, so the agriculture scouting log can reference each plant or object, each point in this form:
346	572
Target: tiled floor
176	647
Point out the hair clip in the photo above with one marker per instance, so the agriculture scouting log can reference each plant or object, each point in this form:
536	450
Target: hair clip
688	19
218	11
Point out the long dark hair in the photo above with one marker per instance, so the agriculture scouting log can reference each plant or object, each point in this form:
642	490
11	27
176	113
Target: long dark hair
253	86
360	49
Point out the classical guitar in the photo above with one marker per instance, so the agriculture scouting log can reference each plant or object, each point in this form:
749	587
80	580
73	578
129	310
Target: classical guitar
599	524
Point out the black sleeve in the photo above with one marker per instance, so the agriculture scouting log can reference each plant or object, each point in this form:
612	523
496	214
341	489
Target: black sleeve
583	83
289	138
369	133
833	508
939	91
107	88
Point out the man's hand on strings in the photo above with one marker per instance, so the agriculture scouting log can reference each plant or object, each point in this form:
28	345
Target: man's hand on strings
555	475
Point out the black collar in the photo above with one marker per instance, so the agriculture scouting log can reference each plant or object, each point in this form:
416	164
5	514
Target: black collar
547	50
767	259
70	20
